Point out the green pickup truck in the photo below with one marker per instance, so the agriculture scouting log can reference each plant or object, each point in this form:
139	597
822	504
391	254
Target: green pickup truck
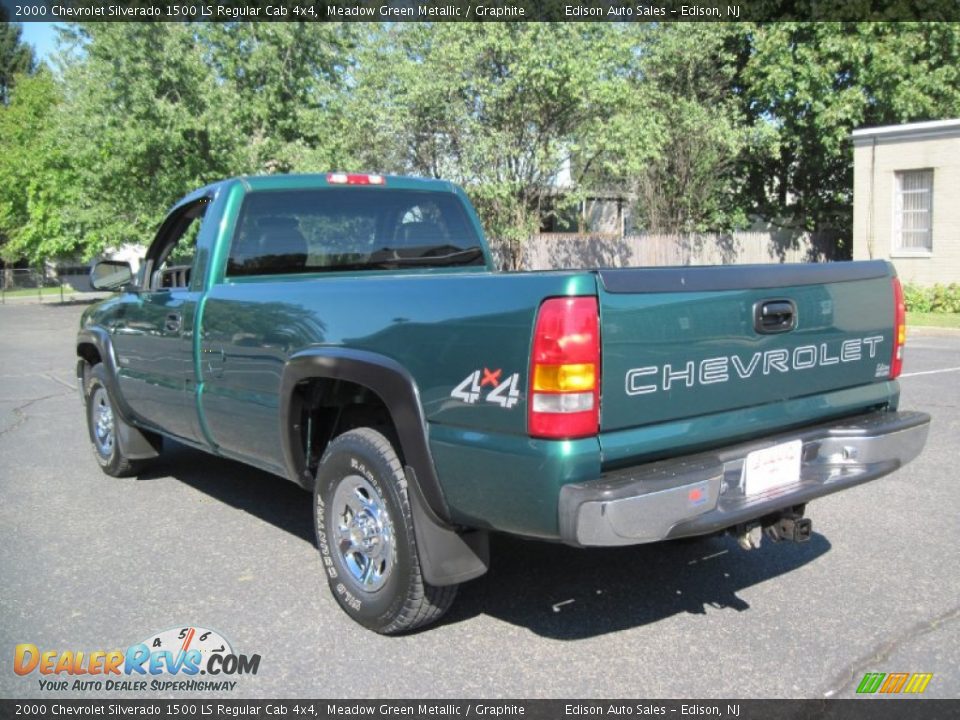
349	332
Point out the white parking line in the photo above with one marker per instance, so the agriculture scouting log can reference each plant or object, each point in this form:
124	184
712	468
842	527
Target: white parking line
931	372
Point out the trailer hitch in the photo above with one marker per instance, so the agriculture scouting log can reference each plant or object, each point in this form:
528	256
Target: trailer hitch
790	526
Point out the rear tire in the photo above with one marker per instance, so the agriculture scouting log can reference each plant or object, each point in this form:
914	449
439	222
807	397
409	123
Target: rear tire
365	533
103	423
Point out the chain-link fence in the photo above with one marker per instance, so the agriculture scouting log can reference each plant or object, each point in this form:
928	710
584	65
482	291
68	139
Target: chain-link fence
30	285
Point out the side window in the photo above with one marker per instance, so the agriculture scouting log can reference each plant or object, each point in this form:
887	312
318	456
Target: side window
169	260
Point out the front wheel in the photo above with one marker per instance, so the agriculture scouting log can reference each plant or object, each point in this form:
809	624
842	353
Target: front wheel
103	423
365	534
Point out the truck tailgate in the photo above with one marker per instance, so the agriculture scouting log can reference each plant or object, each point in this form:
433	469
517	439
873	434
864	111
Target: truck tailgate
690	341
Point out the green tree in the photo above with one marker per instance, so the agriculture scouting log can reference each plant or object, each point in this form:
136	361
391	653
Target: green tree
16	60
16	57
279	86
152	111
703	123
35	173
500	108
145	112
813	83
144	119
693	181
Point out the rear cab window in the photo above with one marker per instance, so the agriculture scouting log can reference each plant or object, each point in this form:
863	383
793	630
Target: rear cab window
340	229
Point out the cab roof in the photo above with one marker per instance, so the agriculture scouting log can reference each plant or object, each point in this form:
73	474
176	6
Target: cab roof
317	181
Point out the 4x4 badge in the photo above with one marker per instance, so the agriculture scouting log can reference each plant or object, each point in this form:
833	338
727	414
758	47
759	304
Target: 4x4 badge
505	393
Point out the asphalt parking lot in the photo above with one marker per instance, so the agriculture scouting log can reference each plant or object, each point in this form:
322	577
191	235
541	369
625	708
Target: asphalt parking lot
92	562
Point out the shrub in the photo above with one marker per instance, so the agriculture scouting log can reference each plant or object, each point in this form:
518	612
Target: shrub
915	298
937	298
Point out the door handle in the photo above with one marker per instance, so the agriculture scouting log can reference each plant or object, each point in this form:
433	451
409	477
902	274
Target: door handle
774	316
172	322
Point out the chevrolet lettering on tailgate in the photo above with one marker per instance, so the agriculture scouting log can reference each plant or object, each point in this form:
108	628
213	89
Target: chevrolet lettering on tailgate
722	369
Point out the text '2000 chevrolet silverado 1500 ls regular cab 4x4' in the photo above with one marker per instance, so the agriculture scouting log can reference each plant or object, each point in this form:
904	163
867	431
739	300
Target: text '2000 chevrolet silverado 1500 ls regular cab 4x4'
348	332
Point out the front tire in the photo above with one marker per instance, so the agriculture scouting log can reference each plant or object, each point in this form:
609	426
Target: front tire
365	533
103	423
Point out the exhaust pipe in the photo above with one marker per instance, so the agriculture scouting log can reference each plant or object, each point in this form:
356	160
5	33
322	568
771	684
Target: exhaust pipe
748	536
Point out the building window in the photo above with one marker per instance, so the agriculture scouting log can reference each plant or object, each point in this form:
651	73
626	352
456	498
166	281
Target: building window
913	212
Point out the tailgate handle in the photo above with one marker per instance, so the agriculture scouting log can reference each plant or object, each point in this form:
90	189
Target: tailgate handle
774	316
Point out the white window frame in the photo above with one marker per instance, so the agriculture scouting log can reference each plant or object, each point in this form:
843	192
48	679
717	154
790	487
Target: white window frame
897	249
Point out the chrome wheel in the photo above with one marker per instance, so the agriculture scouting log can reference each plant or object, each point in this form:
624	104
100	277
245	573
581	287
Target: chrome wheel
363	532
103	428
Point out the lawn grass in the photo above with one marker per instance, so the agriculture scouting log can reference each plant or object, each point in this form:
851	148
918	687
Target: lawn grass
949	320
27	292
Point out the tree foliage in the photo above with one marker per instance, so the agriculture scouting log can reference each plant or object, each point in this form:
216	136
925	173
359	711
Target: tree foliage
693	183
500	108
704	125
34	172
16	61
16	57
142	121
813	83
279	87
151	111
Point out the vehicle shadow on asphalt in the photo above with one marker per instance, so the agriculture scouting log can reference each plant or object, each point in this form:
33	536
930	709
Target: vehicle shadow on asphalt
567	593
267	497
553	590
72	302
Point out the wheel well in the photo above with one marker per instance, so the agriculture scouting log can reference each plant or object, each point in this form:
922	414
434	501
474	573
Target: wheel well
89	352
323	408
91	356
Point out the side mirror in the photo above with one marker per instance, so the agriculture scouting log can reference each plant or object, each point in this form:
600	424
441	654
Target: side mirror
110	275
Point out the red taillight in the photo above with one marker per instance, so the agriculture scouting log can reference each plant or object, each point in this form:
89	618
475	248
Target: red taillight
355	179
564	397
899	330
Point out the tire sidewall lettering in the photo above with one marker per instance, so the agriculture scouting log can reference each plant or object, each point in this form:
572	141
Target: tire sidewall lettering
357	458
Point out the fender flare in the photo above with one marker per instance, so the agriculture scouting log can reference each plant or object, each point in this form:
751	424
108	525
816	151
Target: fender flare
100	339
133	443
383	376
447	557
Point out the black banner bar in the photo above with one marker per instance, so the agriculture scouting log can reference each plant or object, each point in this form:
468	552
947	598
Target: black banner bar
478	10
854	709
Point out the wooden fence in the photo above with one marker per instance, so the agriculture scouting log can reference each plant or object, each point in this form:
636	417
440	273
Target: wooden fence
564	250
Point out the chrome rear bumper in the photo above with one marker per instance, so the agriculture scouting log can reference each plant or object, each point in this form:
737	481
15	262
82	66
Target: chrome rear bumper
702	493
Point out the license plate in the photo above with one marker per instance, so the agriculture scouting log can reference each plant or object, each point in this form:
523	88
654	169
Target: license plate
772	467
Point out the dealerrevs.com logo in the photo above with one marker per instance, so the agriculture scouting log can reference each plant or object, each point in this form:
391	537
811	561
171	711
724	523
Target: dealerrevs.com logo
172	660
